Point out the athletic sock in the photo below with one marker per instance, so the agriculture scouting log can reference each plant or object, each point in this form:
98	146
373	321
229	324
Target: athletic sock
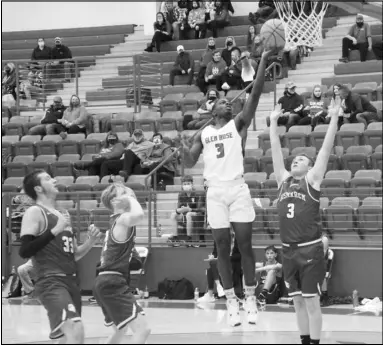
230	294
305	339
249	291
314	342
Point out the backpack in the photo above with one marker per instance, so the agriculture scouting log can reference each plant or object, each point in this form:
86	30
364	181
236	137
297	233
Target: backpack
181	289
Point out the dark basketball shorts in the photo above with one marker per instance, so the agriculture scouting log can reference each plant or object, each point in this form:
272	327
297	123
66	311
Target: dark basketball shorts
304	269
118	304
61	297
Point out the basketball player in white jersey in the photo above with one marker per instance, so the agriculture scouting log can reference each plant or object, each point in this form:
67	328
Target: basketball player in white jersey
228	196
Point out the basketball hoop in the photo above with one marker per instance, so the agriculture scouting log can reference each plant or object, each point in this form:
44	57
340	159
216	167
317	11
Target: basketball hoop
302	21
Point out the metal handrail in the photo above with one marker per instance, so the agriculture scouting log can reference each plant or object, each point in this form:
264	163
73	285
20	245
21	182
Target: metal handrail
272	66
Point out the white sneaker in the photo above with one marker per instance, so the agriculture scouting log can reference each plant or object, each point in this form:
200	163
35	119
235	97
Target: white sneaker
233	317
250	307
225	86
220	291
207	298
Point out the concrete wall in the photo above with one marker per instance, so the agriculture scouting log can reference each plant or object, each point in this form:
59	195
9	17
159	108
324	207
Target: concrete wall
359	269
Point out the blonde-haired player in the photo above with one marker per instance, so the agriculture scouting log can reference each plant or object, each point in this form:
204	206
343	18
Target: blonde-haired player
228	197
111	288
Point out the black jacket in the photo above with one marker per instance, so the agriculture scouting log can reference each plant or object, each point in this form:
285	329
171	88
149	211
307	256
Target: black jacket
52	115
61	52
356	104
290	102
184	61
38	54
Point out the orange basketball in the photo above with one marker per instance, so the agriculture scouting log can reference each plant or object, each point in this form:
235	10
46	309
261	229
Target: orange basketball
273	34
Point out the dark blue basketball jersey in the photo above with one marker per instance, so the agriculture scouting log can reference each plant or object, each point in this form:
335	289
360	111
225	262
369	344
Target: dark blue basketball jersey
57	257
298	209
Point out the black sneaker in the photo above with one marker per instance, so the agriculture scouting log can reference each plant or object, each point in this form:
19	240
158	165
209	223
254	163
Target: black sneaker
345	60
92	300
149	49
262	300
124	174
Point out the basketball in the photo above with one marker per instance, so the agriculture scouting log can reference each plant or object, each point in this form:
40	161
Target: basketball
273	34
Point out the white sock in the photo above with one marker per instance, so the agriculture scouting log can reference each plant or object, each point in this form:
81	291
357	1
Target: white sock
230	294
249	291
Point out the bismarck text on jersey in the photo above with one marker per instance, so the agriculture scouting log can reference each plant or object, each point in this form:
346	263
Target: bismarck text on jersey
292	195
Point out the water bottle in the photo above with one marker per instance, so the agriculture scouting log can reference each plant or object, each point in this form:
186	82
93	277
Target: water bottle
355	298
146	293
196	293
13	271
161	185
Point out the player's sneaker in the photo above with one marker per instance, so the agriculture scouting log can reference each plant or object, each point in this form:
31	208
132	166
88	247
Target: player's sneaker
207	298
250	307
233	317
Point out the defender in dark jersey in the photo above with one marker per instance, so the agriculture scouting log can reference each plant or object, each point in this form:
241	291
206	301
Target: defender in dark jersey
111	288
47	238
300	230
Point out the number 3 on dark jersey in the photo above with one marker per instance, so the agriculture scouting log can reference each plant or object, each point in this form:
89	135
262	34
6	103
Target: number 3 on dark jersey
68	244
291	210
221	150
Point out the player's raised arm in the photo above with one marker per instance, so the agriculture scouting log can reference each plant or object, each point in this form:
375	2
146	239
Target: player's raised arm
191	155
316	174
244	118
93	235
134	215
276	150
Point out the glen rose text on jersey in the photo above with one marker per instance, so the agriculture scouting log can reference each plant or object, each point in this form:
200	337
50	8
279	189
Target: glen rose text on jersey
292	195
218	138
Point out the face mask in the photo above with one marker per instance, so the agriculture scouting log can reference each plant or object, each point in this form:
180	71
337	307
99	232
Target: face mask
75	102
187	188
212	46
229	44
7	70
291	92
157	141
112	141
181	53
359	24
137	139
212	98
58	44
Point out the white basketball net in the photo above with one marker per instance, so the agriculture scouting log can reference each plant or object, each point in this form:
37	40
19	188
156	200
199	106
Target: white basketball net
302	24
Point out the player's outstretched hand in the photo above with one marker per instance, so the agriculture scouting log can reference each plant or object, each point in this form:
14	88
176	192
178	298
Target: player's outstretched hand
276	113
268	52
94	232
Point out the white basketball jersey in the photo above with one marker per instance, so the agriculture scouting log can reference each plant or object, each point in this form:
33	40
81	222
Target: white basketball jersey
222	153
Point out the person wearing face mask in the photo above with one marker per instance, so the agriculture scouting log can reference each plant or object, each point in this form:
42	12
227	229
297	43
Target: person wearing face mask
8	85
112	150
184	65
357	38
50	123
196	20
75	118
162	30
231	78
206	57
39	54
214	69
316	108
226	52
60	52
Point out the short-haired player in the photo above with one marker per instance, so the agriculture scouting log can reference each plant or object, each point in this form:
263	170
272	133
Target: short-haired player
228	197
47	238
111	287
300	226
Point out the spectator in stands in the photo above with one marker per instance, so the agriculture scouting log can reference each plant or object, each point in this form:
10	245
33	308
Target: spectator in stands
226	52
334	104
113	150
316	108
166	9
196	20
250	37
209	10
257	48
221	17
329	258
26	87
162	33
27	275
266	10
8	86
357	108
39	54
290	53
358	38
292	105
214	69
50	122
231	78
271	277
204	113
187	213
74	120
206	58
180	25
184	65
60	52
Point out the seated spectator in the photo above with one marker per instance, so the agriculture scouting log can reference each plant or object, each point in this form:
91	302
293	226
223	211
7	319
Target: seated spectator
196	20
358	38
27	87
271	277
248	71
250	37
334	104
187	214
205	111
266	10
226	52
180	25
39	54
50	123
329	258
206	57
231	78
27	275
60	52
184	65
74	120
221	17
315	111
8	85
292	105
214	69
212	274
290	53
209	10
166	9
162	33
357	108
113	150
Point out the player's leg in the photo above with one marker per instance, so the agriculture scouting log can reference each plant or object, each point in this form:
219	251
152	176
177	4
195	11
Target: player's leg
269	284
302	318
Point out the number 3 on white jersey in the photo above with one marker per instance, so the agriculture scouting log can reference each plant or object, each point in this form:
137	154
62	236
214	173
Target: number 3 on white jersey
290	213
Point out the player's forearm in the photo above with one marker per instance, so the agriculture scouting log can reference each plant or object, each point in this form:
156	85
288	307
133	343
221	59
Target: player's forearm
275	142
136	212
31	245
328	142
189	159
83	249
